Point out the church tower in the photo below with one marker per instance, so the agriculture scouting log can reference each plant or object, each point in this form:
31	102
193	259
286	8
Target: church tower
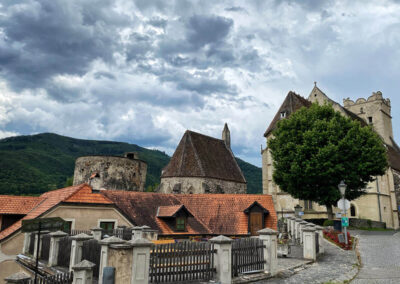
226	136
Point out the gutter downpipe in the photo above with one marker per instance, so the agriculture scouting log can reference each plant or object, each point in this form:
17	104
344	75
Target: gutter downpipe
379	200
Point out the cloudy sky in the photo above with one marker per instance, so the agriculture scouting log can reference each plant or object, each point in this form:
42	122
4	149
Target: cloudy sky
145	71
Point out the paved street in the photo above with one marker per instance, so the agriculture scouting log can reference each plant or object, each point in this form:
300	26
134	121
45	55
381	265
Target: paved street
335	264
380	257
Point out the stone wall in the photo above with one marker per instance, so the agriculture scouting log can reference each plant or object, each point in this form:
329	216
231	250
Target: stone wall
121	259
194	185
364	223
117	173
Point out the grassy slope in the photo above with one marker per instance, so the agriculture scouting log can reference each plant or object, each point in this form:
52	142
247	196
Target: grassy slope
38	163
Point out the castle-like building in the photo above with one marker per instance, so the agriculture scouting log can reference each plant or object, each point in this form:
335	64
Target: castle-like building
382	201
203	164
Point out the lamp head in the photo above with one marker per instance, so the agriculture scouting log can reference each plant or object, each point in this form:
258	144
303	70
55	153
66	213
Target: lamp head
342	188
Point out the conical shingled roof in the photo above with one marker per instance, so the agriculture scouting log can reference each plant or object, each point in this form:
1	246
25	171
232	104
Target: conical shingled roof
198	155
291	103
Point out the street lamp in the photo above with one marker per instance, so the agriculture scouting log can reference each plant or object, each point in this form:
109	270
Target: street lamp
342	188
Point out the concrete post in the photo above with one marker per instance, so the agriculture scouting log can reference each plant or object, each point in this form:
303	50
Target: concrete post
105	243
83	272
137	233
27	242
96	233
320	238
223	258
54	246
268	236
19	277
301	228
76	248
289	225
141	261
309	249
297	229
35	245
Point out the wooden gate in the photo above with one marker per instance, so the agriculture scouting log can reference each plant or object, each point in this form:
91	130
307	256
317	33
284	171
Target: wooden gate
182	262
247	256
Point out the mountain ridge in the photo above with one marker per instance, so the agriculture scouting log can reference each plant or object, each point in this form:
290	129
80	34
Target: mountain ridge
33	164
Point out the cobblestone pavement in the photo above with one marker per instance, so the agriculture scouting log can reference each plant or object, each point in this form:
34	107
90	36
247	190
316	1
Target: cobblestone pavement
380	257
335	264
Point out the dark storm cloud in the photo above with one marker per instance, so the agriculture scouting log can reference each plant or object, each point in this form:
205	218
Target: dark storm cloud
50	37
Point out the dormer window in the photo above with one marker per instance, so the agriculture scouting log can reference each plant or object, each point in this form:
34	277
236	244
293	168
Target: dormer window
180	223
283	114
256	217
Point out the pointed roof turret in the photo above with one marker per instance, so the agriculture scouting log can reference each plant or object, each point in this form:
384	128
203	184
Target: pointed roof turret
226	136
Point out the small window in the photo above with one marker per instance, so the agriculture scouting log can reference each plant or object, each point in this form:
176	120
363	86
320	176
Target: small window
107	226
67	227
180	223
361	110
308	205
370	119
283	114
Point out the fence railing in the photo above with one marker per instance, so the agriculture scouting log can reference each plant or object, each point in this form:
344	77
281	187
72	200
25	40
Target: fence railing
64	251
247	256
182	262
91	251
44	253
77	232
61	278
122	233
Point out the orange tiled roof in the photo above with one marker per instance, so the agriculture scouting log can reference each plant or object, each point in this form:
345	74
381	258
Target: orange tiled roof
21	205
168	211
79	193
212	213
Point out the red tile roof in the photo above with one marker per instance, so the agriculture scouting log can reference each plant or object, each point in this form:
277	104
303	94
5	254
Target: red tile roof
198	155
168	211
212	213
20	205
79	193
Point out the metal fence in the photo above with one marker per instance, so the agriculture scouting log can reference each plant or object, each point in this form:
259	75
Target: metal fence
91	251
77	232
64	251
61	278
31	243
44	253
122	233
182	262
247	256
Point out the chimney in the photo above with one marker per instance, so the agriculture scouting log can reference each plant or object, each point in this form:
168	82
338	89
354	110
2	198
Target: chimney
226	136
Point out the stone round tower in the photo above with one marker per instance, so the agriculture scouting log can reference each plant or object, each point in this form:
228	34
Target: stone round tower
111	172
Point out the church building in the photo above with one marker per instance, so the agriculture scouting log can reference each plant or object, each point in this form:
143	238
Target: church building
382	201
203	164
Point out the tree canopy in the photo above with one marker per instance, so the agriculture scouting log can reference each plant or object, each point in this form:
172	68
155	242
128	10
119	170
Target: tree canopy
316	147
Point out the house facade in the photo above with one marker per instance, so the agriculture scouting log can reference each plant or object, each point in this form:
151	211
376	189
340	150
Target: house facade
203	164
382	201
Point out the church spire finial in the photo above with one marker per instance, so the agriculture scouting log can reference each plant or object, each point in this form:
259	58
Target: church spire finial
315	83
226	136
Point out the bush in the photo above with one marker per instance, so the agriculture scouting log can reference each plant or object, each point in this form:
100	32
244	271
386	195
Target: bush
333	236
328	223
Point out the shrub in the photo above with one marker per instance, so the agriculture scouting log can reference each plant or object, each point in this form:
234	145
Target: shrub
328	223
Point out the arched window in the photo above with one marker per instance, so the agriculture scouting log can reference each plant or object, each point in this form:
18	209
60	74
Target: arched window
352	210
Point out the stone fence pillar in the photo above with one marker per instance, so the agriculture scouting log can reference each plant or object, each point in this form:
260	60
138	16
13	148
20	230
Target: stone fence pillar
19	277
27	242
223	258
54	246
320	238
105	243
83	272
268	236
141	261
137	233
289	225
76	248
303	224
96	233
120	257
309	248
297	229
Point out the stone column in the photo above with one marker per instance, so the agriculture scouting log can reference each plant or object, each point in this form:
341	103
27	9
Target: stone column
19	277
105	243
223	258
320	231
268	236
309	249
289	225
141	261
27	242
83	272
137	233
145	232
35	245
54	246
297	229
96	233
301	228
76	248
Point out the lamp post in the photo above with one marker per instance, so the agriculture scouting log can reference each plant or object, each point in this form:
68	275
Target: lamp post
342	188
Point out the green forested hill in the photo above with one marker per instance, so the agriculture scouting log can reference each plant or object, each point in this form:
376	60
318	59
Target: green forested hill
37	163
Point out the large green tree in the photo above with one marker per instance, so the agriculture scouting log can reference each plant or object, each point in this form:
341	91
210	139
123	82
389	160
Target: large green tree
317	147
